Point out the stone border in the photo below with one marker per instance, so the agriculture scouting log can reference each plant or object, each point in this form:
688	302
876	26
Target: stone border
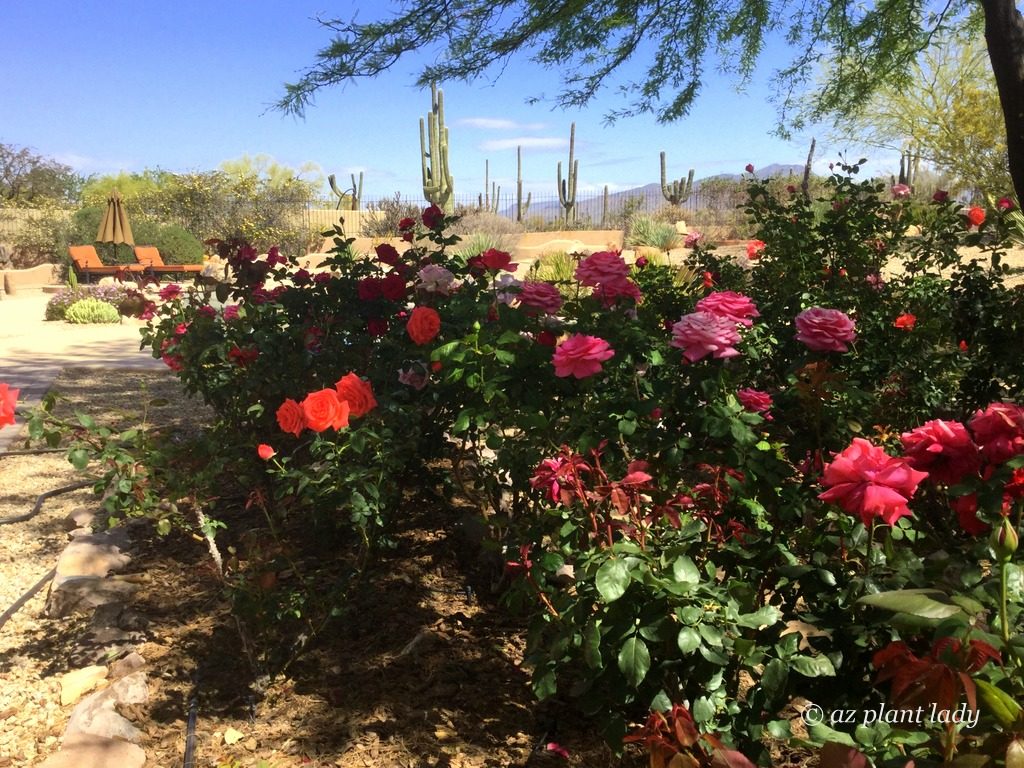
33	278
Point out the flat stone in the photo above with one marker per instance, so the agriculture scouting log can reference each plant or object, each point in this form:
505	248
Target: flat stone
88	751
82	517
94	555
84	593
133	662
78	682
101	644
96	715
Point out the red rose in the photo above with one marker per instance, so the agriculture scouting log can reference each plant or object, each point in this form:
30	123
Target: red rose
387	254
265	451
423	325
866	481
325	410
749	168
357	393
1005	204
369	288
406	223
940	196
975	216
754	249
546	338
8	399
376	326
495	259
433	217
905	322
943	449
290	417
392	287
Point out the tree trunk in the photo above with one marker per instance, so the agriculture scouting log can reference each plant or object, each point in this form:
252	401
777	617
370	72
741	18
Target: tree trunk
1004	34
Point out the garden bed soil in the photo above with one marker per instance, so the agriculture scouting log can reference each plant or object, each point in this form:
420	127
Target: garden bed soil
422	669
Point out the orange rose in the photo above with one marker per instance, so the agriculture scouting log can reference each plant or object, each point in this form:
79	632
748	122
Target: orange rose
357	393
324	409
423	325
290	417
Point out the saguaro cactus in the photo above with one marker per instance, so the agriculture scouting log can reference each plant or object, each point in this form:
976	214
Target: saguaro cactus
488	200
438	185
677	191
521	207
567	186
909	161
354	195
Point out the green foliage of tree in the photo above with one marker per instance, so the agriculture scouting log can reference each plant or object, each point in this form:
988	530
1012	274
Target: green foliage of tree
30	179
948	115
866	46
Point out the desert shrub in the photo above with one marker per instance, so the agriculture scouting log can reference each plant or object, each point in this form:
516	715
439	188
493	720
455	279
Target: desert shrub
90	310
177	245
389	212
479	242
58	304
645	230
472	222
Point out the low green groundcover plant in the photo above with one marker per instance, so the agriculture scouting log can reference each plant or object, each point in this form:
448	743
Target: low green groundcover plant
724	495
58	304
90	310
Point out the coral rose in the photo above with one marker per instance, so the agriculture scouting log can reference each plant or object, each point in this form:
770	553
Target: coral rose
8	399
357	393
866	481
290	417
999	431
905	322
975	216
700	334
323	409
265	452
601	268
581	356
825	330
424	324
943	449
730	305
755	248
540	297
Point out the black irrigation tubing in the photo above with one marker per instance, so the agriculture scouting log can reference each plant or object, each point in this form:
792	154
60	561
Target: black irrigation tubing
43	497
16	606
190	732
31	452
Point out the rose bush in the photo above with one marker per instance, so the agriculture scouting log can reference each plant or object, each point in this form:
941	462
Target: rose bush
721	531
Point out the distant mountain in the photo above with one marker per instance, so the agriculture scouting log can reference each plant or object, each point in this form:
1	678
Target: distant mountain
649	195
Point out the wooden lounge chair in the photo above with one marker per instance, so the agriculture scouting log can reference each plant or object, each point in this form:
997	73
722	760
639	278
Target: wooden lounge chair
149	259
87	264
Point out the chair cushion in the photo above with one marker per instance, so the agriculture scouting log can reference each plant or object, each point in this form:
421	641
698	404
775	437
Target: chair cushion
85	256
149	255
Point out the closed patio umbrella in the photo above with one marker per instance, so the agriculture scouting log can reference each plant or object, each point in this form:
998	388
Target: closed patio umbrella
115	227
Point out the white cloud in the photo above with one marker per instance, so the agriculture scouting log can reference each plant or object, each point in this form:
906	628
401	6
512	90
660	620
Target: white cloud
499	124
526	142
86	164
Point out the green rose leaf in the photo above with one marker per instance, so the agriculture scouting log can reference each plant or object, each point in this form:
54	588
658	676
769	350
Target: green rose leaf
813	666
612	580
924	603
634	660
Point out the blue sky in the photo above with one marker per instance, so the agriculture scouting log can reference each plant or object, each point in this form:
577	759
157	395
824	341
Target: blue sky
185	85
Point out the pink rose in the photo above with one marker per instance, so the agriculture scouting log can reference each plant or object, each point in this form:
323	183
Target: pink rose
754	400
866	481
943	449
581	356
999	431
230	312
170	291
613	290
825	330
700	334
8	399
1005	204
693	239
540	297
436	279
900	191
412	377
602	268
731	305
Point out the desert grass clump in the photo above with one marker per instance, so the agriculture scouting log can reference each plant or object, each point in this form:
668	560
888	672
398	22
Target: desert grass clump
90	311
645	230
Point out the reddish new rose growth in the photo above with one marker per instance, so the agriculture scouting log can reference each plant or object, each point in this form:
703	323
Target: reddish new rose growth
866	481
8	399
905	322
581	356
423	325
357	393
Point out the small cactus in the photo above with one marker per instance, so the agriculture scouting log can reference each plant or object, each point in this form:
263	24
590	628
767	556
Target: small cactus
604	208
521	207
438	185
678	191
567	186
